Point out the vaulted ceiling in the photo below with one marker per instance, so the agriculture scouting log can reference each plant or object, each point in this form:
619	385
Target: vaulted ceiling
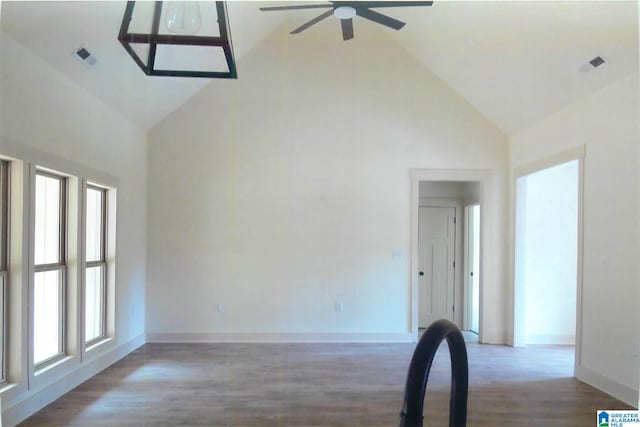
516	62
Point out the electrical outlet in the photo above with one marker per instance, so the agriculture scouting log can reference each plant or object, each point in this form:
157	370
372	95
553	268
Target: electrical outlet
339	307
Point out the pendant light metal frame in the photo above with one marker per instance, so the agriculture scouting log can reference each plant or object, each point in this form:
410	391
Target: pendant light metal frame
154	39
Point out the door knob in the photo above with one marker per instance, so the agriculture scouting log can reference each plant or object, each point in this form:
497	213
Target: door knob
421	273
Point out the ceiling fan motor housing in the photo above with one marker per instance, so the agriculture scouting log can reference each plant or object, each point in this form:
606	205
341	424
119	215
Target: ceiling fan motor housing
344	12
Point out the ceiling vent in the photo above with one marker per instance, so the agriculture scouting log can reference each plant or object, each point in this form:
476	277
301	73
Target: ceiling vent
84	56
593	64
596	62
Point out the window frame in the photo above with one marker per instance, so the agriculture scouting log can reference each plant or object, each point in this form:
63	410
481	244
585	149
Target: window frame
60	266
21	373
101	262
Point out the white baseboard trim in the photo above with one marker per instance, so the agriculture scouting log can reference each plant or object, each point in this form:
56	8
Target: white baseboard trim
493	339
620	391
23	406
222	337
551	339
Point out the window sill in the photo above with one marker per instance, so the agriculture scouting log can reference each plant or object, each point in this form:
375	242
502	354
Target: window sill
54	365
96	345
48	374
5	388
10	392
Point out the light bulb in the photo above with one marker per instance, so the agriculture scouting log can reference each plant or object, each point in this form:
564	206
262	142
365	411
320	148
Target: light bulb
183	17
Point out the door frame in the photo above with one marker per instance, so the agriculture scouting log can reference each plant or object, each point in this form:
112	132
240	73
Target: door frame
577	153
487	189
466	285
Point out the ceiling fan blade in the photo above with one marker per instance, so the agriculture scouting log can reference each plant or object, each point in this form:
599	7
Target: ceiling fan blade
313	21
379	18
302	6
347	28
370	4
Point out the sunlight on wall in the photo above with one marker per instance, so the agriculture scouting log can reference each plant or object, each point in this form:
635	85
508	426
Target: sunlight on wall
547	218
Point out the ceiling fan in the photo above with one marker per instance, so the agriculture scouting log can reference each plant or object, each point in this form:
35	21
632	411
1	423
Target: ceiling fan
346	10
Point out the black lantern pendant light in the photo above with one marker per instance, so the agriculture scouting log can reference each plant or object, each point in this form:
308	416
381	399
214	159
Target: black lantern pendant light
179	38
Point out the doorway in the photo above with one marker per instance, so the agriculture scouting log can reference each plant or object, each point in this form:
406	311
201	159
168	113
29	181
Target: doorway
547	255
480	187
472	267
441	255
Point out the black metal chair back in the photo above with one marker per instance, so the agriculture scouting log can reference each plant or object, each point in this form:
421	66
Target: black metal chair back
418	375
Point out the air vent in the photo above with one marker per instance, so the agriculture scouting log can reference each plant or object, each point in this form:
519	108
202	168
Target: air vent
592	64
84	56
596	62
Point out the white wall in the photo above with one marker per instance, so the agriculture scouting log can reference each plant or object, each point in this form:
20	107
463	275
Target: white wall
442	189
46	118
471	193
548	227
280	193
467	191
606	122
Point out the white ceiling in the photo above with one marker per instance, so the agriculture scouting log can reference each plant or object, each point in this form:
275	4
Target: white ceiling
516	62
53	30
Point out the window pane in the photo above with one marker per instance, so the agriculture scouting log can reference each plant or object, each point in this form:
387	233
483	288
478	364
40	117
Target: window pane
47	315
47	233
94	296
94	224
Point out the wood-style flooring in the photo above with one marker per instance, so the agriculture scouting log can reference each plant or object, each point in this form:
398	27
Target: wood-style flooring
322	385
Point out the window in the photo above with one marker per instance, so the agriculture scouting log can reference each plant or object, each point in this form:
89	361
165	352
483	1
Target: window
96	265
50	266
4	262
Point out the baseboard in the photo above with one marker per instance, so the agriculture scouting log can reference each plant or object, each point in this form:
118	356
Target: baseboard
493	339
23	406
620	391
551	339
222	337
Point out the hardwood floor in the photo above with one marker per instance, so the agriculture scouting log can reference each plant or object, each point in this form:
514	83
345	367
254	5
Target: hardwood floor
322	385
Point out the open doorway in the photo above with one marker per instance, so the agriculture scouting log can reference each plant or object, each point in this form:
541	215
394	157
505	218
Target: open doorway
547	256
443	290
484	189
472	268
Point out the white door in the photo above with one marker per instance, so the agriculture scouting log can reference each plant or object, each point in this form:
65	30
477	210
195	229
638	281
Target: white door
436	251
